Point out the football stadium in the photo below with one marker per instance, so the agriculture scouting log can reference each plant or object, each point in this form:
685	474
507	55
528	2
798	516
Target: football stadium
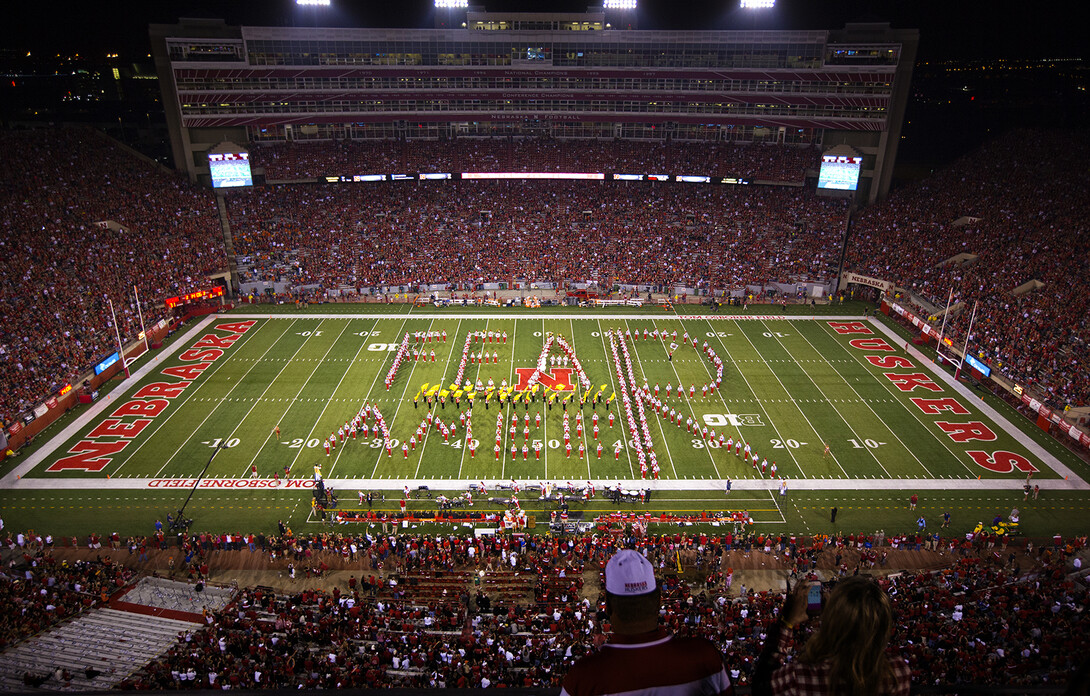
421	326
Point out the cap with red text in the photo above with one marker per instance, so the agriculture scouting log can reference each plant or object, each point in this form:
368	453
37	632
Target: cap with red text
628	573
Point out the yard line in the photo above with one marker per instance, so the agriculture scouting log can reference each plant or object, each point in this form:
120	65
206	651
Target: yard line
696	421
514	409
442	385
191	397
822	392
405	390
892	432
461	462
723	400
889	387
719	390
237	384
390	421
545	420
786	391
586	445
613	383
318	419
658	420
363	342
772	495
317	364
758	401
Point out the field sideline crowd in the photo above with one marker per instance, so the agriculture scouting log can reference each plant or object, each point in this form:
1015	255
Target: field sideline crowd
1016	208
432	611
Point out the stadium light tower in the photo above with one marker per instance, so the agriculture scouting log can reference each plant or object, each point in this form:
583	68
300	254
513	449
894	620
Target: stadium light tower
619	14
758	4
450	14
309	10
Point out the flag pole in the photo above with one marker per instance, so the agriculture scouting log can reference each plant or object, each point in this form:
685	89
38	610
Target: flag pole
117	334
140	313
957	373
945	315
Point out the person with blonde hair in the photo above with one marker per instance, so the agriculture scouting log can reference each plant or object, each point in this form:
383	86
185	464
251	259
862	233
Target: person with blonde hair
846	655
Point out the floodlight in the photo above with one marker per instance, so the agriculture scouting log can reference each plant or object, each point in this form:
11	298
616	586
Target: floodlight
313	3
758	4
619	4
451	4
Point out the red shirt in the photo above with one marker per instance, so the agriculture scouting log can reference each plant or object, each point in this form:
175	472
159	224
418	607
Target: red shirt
652	663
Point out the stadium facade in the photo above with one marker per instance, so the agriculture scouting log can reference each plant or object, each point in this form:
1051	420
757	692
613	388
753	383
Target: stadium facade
564	76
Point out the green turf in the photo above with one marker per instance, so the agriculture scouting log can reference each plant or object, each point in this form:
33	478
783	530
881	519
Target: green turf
68	513
789	388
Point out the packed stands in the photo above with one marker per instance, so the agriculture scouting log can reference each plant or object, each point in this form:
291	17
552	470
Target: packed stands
753	161
465	233
434	611
1029	200
60	267
42	591
1018	205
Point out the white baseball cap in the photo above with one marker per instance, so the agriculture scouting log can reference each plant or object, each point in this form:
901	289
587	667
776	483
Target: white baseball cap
629	573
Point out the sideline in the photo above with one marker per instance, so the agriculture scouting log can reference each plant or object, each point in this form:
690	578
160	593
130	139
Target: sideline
1071	480
529	487
14	479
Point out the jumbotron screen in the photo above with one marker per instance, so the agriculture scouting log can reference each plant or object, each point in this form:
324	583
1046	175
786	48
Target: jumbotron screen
230	169
839	173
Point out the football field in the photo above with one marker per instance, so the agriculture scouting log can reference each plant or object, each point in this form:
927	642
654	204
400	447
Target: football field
260	404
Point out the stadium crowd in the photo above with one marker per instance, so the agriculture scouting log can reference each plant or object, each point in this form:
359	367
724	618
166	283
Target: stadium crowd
754	162
1019	207
61	266
59	183
465	233
433	611
36	591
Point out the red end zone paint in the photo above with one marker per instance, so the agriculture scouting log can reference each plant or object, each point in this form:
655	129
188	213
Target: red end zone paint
936	406
94	453
850	327
964	432
88	455
871	344
888	361
908	383
1000	462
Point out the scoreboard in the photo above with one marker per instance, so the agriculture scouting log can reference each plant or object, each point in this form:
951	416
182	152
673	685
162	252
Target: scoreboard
839	173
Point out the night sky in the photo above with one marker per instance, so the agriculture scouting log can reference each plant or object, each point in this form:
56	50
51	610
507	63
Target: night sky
949	28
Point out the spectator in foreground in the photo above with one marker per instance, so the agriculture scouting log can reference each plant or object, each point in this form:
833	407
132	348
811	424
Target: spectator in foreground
642	657
847	654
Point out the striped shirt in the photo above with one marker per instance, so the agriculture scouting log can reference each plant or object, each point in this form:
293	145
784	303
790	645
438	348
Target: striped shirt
650	664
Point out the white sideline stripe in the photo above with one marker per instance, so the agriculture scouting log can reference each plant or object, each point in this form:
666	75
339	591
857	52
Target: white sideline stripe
109	401
529	487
